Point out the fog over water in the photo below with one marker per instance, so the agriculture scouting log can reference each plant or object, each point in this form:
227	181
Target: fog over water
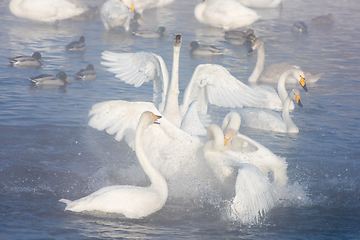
49	152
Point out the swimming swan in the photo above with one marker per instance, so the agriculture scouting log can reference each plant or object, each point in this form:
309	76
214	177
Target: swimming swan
131	201
47	10
115	13
247	150
254	195
226	14
269	120
272	72
261	3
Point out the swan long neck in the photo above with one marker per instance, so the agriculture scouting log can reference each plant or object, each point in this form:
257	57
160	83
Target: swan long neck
259	67
290	125
216	138
156	179
172	112
281	85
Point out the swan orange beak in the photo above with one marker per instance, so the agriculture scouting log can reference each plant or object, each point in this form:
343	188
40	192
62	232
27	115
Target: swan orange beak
132	7
303	83
298	101
226	141
156	117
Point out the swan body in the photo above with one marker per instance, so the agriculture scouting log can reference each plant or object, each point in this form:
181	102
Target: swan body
261	3
269	120
141	5
131	201
60	80
247	150
27	61
254	195
47	10
272	72
87	74
226	14
204	50
76	45
150	34
116	13
239	37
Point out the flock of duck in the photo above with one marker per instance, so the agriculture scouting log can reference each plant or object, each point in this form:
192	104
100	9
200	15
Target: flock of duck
242	171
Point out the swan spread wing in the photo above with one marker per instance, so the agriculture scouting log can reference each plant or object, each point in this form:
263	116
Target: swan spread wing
213	84
255	196
137	68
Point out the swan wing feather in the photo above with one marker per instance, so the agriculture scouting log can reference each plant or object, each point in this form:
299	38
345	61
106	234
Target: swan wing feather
213	84
138	68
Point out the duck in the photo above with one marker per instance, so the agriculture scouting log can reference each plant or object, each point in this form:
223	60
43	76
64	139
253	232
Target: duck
27	61
299	28
87	74
261	3
116	13
49	11
131	201
225	14
270	120
141	5
272	72
76	45
60	80
150	34
325	20
239	37
203	50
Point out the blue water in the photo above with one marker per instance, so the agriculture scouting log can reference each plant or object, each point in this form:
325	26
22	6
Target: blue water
49	152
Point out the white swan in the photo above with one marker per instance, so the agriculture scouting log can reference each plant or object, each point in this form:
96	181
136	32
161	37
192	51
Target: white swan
209	84
131	201
47	10
247	150
261	3
116	13
269	120
272	72
226	14
141	5
254	195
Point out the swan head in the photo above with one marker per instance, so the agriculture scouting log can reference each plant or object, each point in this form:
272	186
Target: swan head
229	135
129	4
177	40
299	75
295	96
150	117
257	43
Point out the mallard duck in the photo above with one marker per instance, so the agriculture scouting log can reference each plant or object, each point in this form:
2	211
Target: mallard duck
76	45
300	28
239	37
27	61
198	49
87	74
150	34
60	80
325	20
